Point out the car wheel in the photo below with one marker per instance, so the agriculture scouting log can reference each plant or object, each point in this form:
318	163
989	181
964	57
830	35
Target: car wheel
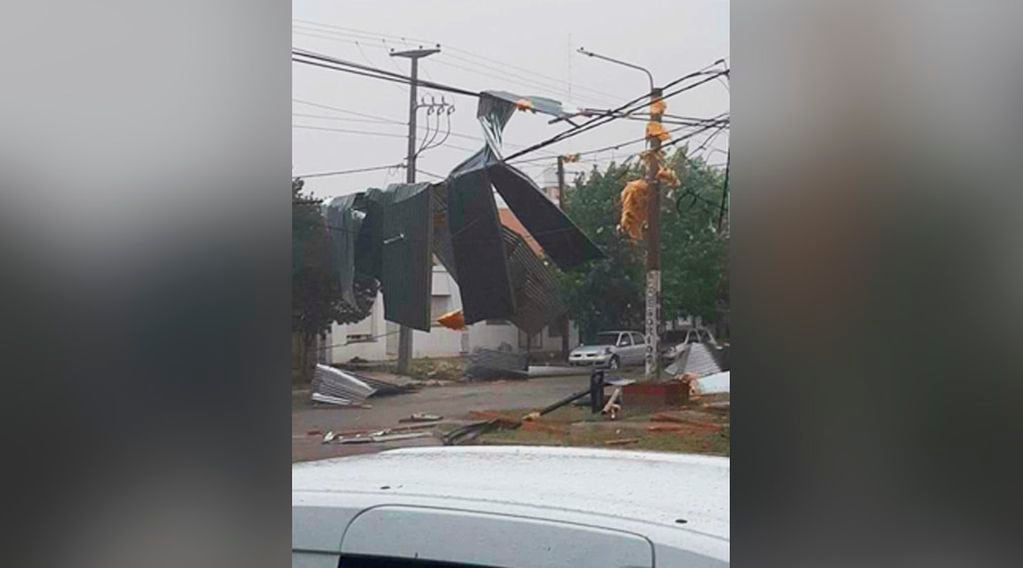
614	364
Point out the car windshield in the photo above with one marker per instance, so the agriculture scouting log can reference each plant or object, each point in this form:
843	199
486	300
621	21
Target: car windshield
606	339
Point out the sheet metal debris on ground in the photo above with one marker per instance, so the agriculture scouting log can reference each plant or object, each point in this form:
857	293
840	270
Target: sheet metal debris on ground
395	385
713	384
697	359
334	386
490	364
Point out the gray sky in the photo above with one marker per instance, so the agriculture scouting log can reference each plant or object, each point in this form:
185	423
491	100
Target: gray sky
538	38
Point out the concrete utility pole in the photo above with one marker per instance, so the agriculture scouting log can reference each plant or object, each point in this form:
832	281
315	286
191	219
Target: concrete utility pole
653	235
404	332
653	255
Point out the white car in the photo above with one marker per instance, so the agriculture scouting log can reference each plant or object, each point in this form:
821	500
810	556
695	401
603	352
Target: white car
511	507
613	349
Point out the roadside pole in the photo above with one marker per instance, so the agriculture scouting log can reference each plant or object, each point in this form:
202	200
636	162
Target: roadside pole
653	235
404	332
653	251
561	205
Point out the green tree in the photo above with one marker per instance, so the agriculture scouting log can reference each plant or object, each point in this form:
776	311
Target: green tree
609	294
316	301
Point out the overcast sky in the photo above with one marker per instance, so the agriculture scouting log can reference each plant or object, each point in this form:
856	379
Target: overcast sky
536	39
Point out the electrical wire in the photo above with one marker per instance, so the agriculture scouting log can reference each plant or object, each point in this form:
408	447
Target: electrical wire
345	172
356	33
605	118
340	118
320	60
346	111
593	123
347	131
616	146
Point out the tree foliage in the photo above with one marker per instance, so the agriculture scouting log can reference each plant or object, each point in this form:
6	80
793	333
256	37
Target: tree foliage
609	294
316	301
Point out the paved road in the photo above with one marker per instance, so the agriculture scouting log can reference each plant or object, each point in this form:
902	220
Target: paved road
452	402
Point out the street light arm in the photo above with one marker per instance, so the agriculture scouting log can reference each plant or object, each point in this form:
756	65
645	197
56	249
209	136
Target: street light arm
625	63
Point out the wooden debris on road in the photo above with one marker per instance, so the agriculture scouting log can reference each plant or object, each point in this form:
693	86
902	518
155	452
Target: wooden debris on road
665	417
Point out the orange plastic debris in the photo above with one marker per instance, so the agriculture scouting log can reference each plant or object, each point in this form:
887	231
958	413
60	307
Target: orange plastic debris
452	320
656	130
652	158
524	104
634	208
658	107
667	176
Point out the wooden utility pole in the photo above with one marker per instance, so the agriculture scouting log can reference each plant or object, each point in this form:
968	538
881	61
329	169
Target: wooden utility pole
404	332
561	205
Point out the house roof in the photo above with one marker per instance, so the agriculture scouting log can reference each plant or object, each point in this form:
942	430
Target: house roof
508	219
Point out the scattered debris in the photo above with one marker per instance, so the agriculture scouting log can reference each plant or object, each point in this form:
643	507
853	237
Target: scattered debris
668	428
377	437
422	417
720	406
621	441
665	417
391	386
696	358
453	320
490	364
713	384
471	431
334	386
557	405
501	420
613	407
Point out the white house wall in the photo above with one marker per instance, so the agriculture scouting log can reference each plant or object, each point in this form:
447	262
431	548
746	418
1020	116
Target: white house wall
439	341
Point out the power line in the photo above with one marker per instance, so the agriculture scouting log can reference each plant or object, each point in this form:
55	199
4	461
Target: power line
321	60
341	118
605	118
389	120
346	111
345	172
353	32
618	145
593	123
346	131
522	81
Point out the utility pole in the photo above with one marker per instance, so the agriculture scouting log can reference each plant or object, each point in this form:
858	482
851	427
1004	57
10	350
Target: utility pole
404	332
653	235
561	205
653	251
